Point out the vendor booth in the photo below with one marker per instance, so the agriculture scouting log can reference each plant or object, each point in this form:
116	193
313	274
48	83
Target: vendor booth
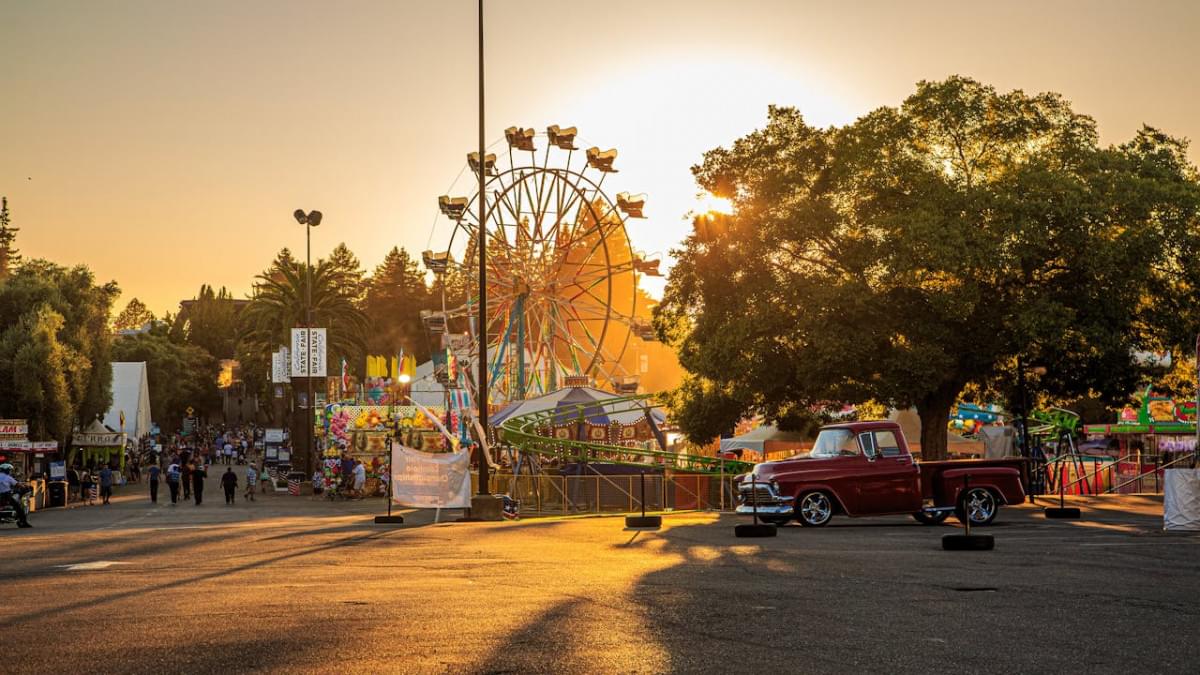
98	445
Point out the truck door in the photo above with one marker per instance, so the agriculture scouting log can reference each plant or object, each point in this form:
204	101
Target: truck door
889	482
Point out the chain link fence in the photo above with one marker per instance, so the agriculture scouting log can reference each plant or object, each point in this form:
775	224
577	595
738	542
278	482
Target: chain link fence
597	493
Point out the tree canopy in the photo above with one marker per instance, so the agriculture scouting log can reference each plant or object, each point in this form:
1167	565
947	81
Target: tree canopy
178	375
925	248
134	316
10	257
55	347
396	294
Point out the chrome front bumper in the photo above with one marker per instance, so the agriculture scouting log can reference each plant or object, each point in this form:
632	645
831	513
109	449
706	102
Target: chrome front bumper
770	502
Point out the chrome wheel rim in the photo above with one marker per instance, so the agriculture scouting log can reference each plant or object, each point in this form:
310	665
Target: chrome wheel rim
816	508
980	505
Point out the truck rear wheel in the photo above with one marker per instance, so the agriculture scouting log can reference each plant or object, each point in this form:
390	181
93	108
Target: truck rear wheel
815	510
979	504
931	517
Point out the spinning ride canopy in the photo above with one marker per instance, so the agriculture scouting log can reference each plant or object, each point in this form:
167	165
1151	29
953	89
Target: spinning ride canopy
562	274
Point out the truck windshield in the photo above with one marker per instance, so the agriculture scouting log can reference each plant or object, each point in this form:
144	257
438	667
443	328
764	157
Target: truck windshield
833	443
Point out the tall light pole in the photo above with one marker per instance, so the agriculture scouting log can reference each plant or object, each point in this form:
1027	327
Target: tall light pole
309	221
482	398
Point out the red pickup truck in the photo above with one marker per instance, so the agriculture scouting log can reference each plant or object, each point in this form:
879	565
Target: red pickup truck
865	469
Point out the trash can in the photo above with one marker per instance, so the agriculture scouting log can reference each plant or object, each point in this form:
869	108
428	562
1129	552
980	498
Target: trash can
295	479
56	493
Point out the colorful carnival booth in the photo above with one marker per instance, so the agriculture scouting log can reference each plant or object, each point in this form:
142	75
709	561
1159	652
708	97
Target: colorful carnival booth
365	432
29	458
1144	440
97	445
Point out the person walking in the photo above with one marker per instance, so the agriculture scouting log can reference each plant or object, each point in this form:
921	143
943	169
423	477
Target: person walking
186	472
360	479
251	480
152	479
173	474
87	480
229	482
106	484
198	476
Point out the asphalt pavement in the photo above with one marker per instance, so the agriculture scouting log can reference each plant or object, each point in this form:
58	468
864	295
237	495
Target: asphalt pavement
302	585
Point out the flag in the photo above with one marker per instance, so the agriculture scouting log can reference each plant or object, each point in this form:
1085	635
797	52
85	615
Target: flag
395	367
345	375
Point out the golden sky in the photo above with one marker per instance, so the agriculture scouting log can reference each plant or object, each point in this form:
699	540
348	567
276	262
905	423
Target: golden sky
165	143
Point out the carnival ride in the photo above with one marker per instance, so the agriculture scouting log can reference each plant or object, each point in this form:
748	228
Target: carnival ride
528	433
562	273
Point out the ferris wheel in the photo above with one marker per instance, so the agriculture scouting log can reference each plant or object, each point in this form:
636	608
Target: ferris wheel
562	274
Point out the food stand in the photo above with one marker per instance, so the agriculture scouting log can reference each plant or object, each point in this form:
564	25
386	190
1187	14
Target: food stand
98	445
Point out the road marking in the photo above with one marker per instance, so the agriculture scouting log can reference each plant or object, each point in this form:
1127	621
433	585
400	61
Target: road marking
95	565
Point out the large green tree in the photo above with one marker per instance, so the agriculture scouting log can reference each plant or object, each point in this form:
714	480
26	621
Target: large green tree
279	303
179	375
925	248
55	346
396	294
10	257
210	321
134	316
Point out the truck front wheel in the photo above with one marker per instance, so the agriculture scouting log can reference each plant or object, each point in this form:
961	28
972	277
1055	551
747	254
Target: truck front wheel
930	517
978	504
815	510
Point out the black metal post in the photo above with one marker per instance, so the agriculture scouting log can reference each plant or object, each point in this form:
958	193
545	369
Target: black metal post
1026	451
643	493
483	327
308	414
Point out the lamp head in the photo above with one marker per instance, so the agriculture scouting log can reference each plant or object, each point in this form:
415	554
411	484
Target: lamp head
298	214
314	218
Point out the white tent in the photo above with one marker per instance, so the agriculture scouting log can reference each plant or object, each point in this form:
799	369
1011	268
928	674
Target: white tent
131	397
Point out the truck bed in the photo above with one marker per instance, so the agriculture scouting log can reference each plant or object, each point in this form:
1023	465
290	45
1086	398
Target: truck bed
931	471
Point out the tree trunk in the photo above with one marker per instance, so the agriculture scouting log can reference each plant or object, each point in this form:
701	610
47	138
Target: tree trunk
934	411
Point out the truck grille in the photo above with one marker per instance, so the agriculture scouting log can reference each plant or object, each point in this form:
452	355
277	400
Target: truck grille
763	493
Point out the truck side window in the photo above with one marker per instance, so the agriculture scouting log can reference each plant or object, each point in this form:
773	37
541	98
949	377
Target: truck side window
867	442
887	444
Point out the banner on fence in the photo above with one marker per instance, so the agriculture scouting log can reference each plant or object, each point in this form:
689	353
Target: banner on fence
430	481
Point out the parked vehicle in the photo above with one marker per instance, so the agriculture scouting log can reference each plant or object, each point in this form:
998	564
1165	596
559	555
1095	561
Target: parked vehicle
866	469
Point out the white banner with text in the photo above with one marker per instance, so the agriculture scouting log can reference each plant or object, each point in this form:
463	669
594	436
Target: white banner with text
427	480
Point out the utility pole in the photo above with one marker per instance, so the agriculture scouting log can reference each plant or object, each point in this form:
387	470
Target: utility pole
482	398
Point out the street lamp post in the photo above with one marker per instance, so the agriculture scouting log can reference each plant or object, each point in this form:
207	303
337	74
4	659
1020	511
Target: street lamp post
309	221
482	398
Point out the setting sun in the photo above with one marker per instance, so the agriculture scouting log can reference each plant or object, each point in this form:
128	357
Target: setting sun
714	204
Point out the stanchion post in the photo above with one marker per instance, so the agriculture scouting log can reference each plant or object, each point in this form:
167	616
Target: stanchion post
967	541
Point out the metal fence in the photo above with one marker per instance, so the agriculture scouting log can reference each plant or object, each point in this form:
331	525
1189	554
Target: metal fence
597	493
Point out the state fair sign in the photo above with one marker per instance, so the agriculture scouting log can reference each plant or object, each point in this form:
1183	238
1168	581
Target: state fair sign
308	360
428	480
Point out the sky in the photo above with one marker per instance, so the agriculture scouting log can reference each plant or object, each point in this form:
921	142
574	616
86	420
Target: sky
165	143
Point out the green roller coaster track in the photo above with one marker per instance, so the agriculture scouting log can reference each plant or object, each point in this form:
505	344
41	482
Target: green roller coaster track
527	433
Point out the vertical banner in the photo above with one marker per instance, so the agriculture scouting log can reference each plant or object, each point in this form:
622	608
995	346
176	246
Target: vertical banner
279	367
308	357
430	481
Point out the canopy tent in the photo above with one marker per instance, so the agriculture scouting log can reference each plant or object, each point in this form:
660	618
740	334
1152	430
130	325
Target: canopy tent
130	398
566	400
910	424
97	445
765	439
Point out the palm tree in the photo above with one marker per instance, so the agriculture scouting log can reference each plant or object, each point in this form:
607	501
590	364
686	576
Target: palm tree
278	304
